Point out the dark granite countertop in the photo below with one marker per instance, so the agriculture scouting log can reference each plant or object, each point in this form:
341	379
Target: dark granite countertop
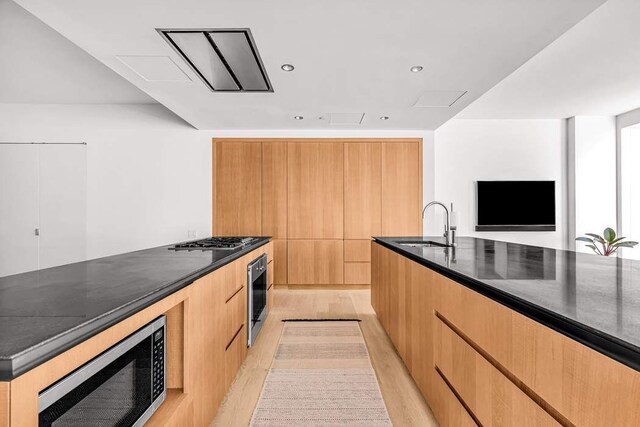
592	299
45	312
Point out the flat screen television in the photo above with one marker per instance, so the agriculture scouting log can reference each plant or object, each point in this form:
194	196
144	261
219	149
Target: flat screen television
516	206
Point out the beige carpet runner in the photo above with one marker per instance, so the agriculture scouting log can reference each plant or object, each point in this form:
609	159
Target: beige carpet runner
321	375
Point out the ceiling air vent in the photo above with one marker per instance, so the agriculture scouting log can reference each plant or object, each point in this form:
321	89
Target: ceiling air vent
226	60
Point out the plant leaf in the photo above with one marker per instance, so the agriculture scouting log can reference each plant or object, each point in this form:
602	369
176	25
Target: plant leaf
628	244
597	238
609	234
584	239
617	239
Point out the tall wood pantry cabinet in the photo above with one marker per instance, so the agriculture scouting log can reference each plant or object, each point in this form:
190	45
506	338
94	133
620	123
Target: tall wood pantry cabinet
320	199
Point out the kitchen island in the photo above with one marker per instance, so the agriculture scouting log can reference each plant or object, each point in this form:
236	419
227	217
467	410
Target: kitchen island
55	320
494	331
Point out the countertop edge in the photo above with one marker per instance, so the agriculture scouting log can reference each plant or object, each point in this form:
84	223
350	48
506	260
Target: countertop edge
612	347
13	367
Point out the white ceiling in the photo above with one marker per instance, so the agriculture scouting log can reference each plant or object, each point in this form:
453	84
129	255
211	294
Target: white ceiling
591	70
39	66
350	56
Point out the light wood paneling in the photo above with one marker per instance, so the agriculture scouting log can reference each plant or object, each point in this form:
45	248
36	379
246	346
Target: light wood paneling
237	192
488	394
175	347
315	190
280	261
362	185
566	377
270	297
315	262
401	189
234	355
357	273
176	410
380	260
5	397
420	324
270	274
357	250
274	189
236	313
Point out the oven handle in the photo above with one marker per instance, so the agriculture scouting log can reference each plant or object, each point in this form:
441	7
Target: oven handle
67	384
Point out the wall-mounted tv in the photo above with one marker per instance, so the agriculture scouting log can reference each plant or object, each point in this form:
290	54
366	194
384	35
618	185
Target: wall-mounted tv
516	206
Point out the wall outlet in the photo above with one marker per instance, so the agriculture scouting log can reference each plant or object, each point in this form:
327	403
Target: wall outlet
192	234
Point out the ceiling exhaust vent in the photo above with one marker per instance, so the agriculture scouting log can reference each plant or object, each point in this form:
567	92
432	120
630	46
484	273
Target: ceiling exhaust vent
226	60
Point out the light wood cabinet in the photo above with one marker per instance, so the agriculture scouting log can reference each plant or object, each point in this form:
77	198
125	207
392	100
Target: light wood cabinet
280	261
274	189
313	262
489	394
357	273
237	188
401	189
362	190
357	250
479	362
319	189
202	359
315	190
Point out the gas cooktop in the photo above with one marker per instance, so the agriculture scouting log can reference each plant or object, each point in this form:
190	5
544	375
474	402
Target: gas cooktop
215	243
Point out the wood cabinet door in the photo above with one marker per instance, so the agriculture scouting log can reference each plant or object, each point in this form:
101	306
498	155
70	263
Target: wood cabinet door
274	189
237	188
315	262
401	189
362	190
315	190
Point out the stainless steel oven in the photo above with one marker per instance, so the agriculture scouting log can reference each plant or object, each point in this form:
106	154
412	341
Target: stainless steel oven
256	297
121	387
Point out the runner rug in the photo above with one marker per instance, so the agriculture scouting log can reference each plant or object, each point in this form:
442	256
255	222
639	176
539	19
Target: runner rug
321	375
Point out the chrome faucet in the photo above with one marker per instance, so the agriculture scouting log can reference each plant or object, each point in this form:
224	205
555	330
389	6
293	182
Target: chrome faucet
447	226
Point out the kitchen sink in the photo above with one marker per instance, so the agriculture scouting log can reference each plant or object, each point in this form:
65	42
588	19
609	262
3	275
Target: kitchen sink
422	244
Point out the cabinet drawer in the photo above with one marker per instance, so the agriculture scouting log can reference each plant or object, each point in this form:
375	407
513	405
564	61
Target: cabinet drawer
315	262
492	397
232	277
357	273
357	251
235	314
234	355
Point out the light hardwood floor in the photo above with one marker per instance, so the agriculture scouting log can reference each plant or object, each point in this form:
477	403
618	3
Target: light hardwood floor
404	402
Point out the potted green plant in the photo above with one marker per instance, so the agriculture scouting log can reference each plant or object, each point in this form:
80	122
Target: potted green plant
609	242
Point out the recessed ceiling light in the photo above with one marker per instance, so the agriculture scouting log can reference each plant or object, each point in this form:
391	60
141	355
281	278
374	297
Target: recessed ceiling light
298	117
416	68
288	67
384	117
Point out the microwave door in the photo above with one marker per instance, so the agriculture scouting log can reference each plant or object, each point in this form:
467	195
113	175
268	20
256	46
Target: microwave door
115	389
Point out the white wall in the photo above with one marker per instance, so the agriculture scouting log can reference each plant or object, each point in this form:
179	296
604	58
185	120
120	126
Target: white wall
470	150
591	176
148	172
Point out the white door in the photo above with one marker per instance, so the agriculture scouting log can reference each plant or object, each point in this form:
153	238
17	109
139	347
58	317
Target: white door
42	187
18	208
63	204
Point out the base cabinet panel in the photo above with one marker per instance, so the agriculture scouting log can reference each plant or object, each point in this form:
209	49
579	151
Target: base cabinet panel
203	357
315	262
477	361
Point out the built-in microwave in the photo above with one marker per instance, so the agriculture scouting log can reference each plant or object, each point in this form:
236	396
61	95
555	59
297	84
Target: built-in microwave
121	387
